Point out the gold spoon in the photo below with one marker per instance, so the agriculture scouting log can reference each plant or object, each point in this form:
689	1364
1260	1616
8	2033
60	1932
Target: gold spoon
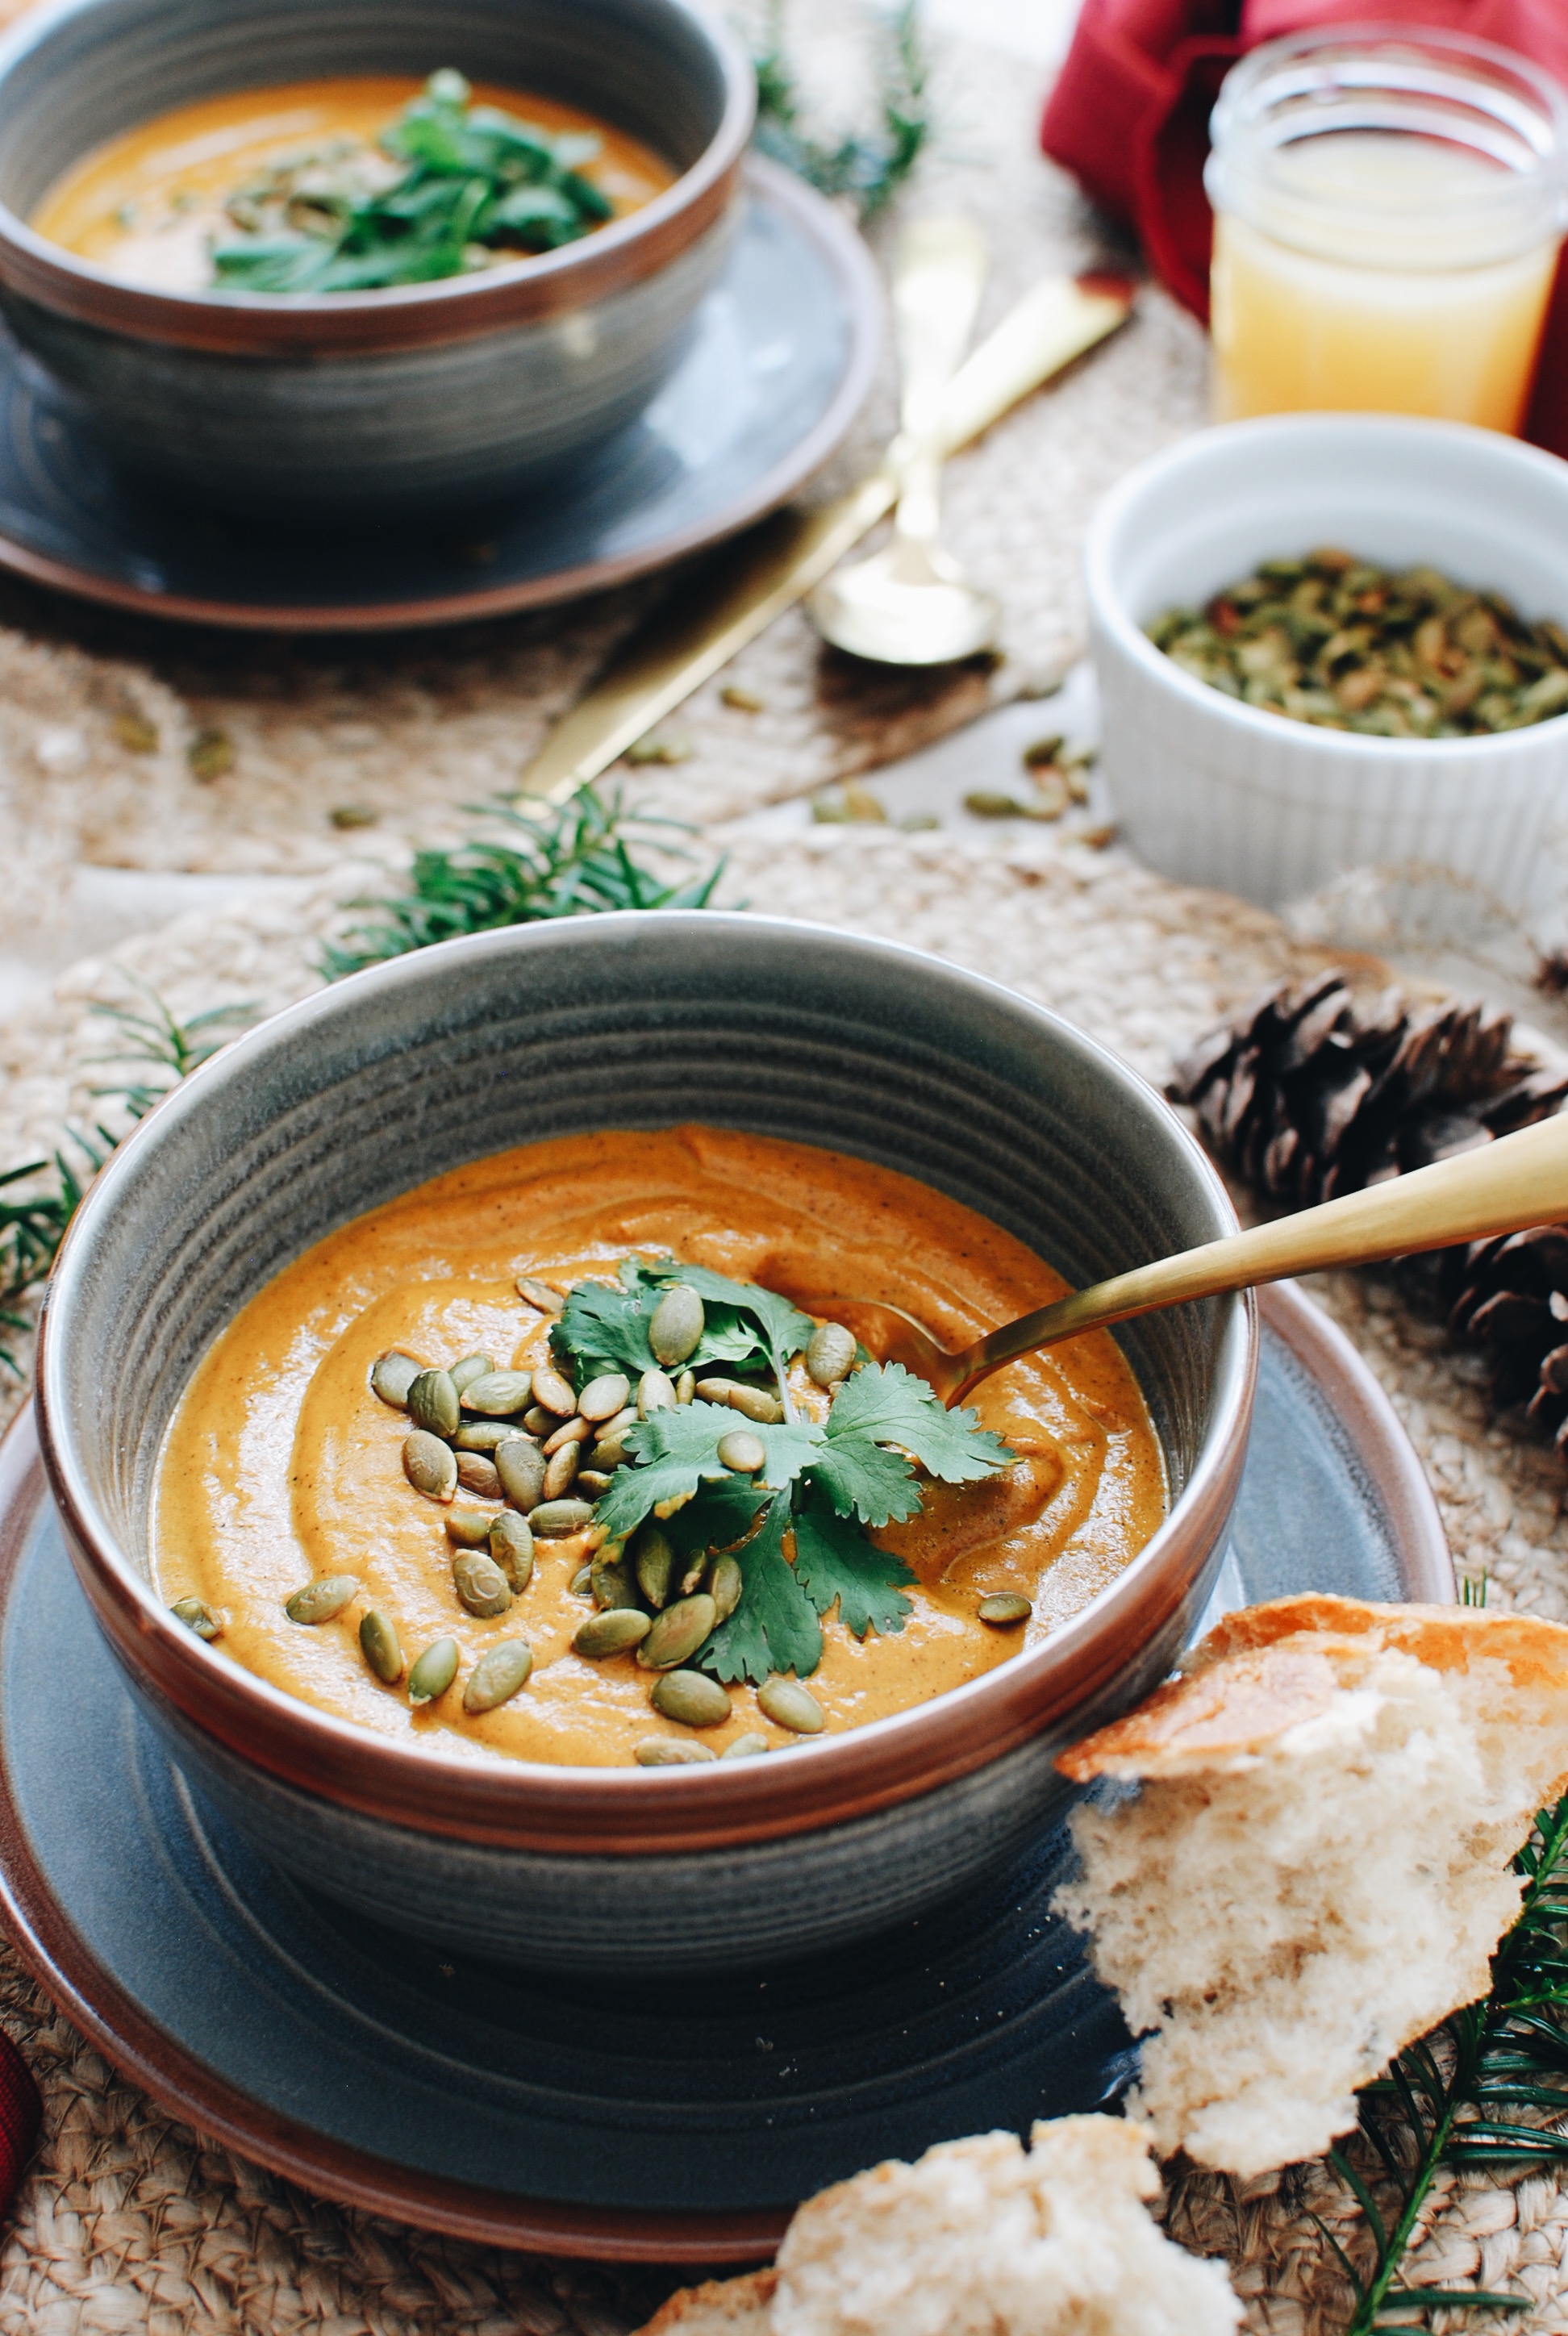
1499	1188
912	604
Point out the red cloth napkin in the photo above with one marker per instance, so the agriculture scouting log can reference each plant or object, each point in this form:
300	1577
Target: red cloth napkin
21	2114
1129	117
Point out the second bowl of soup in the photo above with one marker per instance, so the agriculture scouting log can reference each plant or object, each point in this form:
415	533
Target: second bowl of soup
449	1405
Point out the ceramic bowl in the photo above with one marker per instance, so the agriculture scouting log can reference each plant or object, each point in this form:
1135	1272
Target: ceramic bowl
366	1090
1218	793
428	397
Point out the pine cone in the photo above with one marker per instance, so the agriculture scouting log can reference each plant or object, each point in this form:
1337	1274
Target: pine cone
1312	1092
1512	1293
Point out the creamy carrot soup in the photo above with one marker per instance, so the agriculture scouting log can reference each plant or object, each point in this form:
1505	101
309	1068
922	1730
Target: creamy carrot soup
541	1460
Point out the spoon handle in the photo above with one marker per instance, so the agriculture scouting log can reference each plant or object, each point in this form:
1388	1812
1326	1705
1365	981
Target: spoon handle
1498	1188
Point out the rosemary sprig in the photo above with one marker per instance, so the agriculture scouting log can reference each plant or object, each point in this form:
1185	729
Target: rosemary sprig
572	858
1445	2100
868	170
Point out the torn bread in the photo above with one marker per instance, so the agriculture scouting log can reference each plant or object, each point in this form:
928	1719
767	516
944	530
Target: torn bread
1315	1868
981	2238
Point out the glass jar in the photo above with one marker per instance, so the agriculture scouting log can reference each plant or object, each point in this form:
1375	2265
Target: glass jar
1388	204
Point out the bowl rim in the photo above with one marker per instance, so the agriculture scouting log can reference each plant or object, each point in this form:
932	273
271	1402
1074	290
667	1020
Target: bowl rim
400	317
1119	509
546	1806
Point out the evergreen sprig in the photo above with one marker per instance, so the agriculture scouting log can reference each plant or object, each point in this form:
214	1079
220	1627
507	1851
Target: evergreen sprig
870	169
1455	2097
569	860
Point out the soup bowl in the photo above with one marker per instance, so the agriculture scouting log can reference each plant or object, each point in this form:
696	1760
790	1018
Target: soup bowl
631	1021
426	397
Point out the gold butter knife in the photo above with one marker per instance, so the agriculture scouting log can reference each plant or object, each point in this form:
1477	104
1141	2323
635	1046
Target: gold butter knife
779	561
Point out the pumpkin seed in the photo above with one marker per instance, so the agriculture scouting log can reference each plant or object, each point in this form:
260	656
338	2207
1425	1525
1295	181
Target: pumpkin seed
685	1386
198	1618
469	1371
498	1394
481	1585
725	1583
429	1465
602	1398
677	1634
511	1547
752	1403
787	1704
378	1640
583	1582
320	1600
432	1404
612	1579
654	1561
551	1391
676	1327
560	1470
655	1392
692	1697
483	1435
572	1431
1006	1610
745	1453
613	1632
555	1518
469	1528
623	1420
671	1752
745	1748
830	1354
540	1294
520	1465
433	1673
594	1483
477	1473
607	1455
497	1676
392	1375
538	1421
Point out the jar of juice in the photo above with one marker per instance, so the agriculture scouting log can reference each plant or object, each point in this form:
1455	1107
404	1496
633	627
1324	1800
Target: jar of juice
1388	205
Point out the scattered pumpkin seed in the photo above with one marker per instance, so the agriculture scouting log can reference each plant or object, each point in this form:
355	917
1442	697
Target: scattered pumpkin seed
751	1402
343	815
471	1368
692	1697
677	1634
725	1583
1043	754
593	1483
483	1435
1005	1609
392	1375
676	1325
211	754
469	1528
136	733
555	1518
830	1354
583	1582
655	1392
378	1640
989	802
614	1632
744	701
320	1600
538	1421
559	1471
196	1617
481	1585
520	1465
654	1562
612	1579
511	1547
671	1752
789	1705
602	1398
477	1473
498	1395
607	1455
659	750
745	1453
433	1673
540	1294
498	1675
552	1393
432	1404
745	1748
429	1465
571	1431
685	1386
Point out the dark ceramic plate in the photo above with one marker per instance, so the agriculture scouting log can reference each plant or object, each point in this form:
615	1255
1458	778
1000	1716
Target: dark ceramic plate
780	360
606	2118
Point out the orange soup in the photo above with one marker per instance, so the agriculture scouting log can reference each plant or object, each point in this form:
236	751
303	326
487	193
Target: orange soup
285	1469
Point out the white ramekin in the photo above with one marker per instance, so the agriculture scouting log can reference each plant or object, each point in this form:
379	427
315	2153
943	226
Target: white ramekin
1218	793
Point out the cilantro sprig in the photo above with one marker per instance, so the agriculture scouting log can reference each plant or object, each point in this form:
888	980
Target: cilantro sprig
799	1527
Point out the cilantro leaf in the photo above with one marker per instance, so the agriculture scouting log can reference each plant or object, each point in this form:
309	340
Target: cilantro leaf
859	1478
720	1514
834	1559
604	1325
785	1330
891	1406
774	1628
673	1452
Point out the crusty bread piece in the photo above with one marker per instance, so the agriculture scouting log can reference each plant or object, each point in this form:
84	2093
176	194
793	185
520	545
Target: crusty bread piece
1315	1867
978	2238
719	2307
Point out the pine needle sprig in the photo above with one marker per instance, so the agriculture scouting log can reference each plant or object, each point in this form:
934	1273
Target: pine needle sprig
1444	2100
869	170
569	860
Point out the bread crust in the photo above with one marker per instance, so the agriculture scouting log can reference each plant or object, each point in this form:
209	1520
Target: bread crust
1266	1668
719	2307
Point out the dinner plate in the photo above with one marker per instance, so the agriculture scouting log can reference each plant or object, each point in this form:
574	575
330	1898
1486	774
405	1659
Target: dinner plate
622	2118
780	358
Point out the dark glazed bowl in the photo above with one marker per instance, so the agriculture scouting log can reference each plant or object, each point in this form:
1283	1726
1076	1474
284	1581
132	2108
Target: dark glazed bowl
421	398
367	1089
